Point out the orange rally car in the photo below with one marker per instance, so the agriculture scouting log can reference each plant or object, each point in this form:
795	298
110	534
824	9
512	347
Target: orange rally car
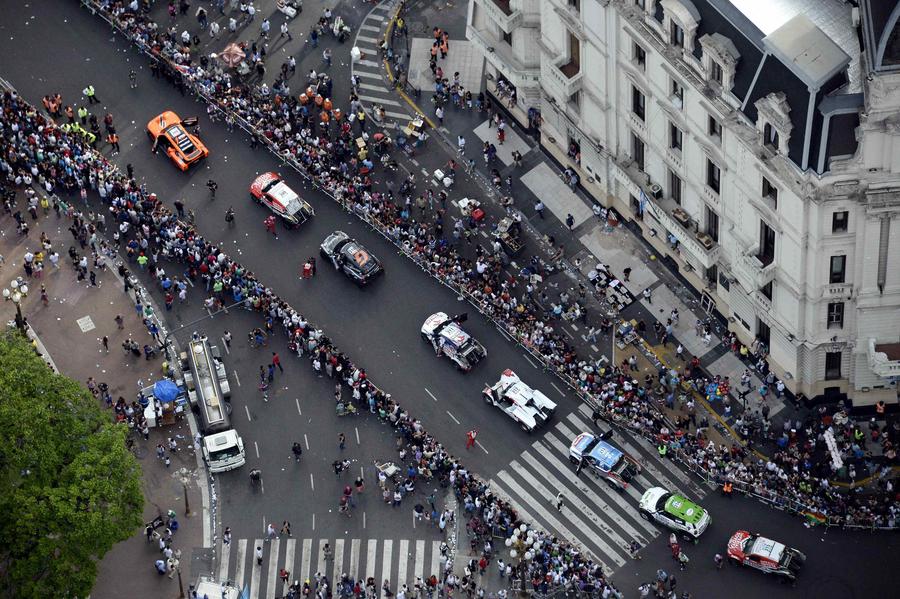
169	132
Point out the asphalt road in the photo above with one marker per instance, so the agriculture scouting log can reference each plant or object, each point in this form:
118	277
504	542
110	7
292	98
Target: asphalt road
378	325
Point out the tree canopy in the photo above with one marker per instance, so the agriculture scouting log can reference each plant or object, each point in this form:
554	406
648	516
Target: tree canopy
69	487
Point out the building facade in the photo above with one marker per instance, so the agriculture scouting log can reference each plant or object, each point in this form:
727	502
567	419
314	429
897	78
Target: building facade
757	146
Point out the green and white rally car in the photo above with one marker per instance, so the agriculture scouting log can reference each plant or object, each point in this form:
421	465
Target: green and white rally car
674	511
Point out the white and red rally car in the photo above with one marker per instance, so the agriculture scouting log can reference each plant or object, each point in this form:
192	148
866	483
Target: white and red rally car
270	190
527	406
772	557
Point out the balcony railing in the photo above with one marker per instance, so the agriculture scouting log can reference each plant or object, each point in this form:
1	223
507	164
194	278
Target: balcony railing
753	271
565	75
504	5
838	291
502	13
500	55
677	222
884	359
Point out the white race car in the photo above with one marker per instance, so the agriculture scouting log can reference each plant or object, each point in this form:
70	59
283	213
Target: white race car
529	407
449	339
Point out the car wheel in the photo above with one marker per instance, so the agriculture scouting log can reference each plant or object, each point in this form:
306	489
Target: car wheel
149	136
324	254
524	427
734	561
426	339
486	398
645	515
573	460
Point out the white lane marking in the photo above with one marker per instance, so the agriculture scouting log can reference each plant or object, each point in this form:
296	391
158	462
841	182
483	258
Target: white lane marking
246	409
227	351
306	441
364	519
377	100
435	557
298	407
224	558
386	552
365	74
419	567
314	521
237	379
256	447
558	390
403	561
256	571
452	417
529	360
356	428
338	559
272	577
306	554
239	567
312	483
371	555
289	550
478	443
430	394
320	562
354	559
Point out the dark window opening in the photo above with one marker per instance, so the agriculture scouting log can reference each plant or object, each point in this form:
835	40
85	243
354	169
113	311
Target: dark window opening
838	270
637	103
840	222
766	244
832	365
766	290
713	175
712	224
836	315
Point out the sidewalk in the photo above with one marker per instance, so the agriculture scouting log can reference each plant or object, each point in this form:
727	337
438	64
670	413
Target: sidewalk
71	328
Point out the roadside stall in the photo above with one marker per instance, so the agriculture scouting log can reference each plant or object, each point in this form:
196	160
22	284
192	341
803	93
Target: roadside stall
163	403
509	234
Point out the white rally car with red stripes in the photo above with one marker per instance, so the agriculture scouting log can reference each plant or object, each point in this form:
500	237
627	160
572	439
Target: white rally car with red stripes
270	190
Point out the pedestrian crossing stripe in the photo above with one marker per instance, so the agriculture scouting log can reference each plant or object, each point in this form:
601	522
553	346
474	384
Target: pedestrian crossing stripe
400	561
600	519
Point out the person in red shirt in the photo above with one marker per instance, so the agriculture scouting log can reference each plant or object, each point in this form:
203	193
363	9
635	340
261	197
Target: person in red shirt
470	438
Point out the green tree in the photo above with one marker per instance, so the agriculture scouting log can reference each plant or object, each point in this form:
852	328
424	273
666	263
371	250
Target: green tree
69	488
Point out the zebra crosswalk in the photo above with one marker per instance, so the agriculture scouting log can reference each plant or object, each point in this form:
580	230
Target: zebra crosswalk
375	89
601	520
397	560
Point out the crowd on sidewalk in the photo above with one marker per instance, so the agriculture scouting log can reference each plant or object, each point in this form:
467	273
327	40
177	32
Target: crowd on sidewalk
325	147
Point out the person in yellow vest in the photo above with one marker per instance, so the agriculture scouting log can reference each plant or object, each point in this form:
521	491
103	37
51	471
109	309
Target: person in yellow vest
91	95
361	117
662	449
83	114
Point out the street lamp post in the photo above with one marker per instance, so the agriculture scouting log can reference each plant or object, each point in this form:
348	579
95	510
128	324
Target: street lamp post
185	476
15	292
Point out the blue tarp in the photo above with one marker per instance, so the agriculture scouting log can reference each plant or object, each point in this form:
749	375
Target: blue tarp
165	390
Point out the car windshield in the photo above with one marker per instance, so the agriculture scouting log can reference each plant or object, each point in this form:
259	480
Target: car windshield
661	502
224	454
